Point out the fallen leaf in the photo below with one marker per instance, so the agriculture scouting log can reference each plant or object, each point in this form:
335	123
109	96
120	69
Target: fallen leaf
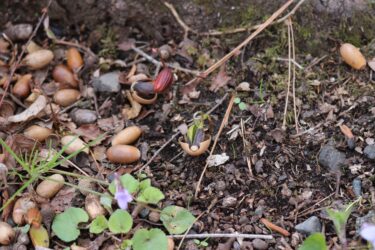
346	131
371	64
217	160
89	132
243	86
278	135
63	199
31	112
134	110
220	80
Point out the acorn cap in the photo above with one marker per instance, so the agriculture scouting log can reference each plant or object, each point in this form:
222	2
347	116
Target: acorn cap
194	150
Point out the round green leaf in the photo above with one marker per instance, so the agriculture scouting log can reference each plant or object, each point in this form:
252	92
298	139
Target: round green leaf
120	222
242	106
65	224
128	182
315	241
176	219
151	195
98	225
144	239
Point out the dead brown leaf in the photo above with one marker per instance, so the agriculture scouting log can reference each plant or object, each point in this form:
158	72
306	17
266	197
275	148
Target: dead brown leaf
220	80
63	199
346	131
31	112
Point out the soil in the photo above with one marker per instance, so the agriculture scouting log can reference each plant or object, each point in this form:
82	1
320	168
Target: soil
271	173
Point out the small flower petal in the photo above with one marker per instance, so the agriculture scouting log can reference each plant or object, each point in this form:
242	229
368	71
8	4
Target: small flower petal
123	198
368	233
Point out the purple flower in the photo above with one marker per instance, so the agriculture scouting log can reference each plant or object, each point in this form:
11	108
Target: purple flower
368	233
122	195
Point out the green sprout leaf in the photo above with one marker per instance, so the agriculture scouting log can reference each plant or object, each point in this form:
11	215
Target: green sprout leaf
315	241
152	239
242	106
150	195
120	222
106	201
237	100
340	218
65	224
98	225
144	184
128	182
176	219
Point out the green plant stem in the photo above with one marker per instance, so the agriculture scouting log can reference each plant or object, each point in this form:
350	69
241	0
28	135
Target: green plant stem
74	186
57	171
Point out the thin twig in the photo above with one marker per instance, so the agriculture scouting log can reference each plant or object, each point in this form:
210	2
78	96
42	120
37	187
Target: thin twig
294	75
17	63
295	63
179	20
289	77
223	235
159	64
72	44
223	124
177	134
244	43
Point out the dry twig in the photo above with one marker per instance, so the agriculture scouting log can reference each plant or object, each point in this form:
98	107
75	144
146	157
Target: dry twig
274	227
223	124
223	235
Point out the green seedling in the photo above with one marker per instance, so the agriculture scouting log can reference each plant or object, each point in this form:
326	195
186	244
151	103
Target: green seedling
241	105
202	243
315	241
195	134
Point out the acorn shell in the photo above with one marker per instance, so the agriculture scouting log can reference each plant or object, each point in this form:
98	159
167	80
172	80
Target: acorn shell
127	136
50	186
63	75
20	209
38	59
74	144
124	154
22	87
74	59
66	97
203	146
7	234
93	206
352	56
140	99
37	132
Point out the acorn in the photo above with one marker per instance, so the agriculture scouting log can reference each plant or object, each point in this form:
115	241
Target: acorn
74	59
20	209
37	132
143	92
124	154
66	97
163	80
50	186
38	59
34	217
74	144
352	56
7	234
63	75
22	87
93	206
127	136
195	150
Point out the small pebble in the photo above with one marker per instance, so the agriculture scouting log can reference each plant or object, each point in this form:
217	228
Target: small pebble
107	83
260	244
357	187
229	201
351	143
311	225
154	216
259	166
144	212
369	151
331	158
220	186
83	116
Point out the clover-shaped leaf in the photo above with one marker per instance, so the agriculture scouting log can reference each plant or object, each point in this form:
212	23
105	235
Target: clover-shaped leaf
120	222
144	184
98	225
176	219
152	239
65	224
150	195
128	182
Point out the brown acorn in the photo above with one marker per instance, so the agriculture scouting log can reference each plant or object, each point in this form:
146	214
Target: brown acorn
163	80
74	59
143	92
66	97
34	217
124	154
38	59
63	75
22	87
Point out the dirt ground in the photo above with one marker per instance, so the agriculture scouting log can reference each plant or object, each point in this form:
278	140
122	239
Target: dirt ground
274	169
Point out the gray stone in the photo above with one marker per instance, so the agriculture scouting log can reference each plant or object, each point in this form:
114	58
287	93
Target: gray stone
229	201
260	244
83	116
357	187
370	151
107	83
311	225
220	186
331	158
